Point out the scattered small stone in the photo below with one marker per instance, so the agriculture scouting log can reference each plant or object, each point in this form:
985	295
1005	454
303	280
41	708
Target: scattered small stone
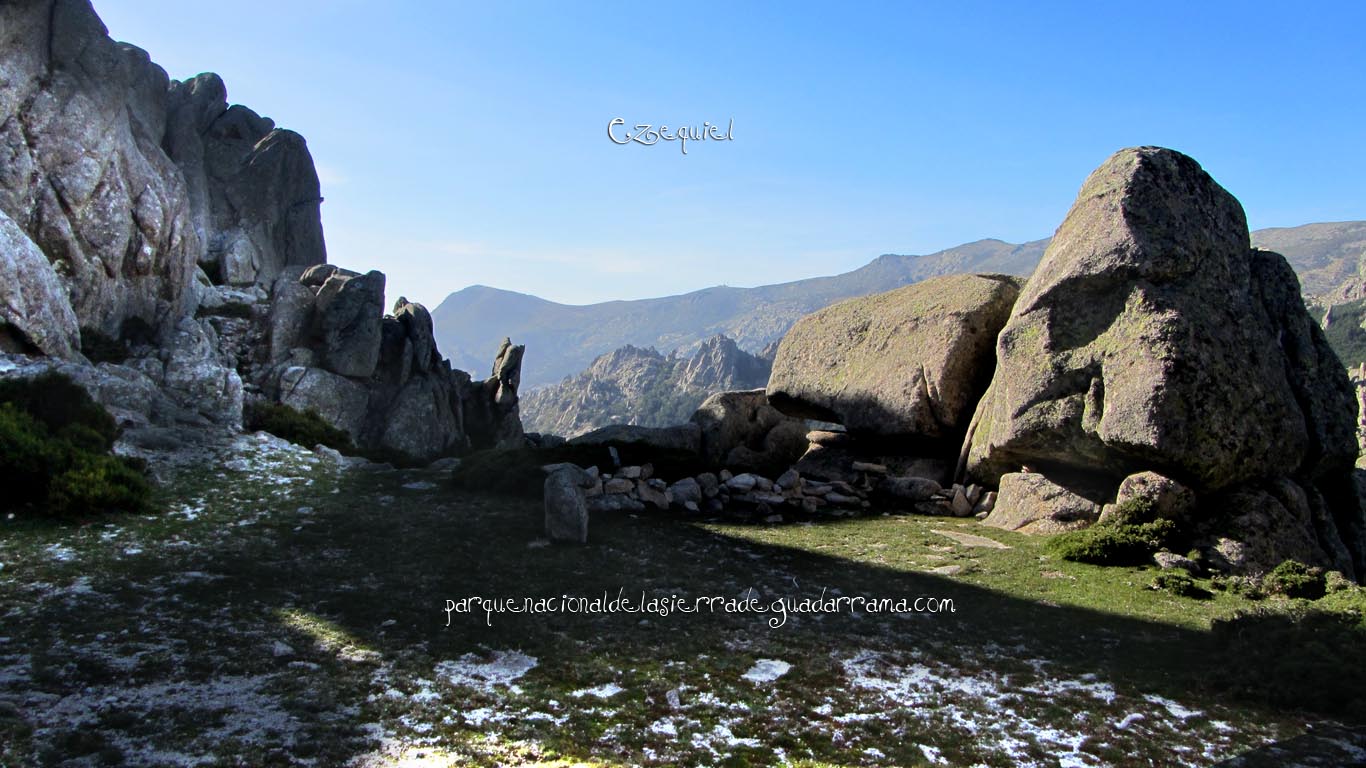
972	540
865	466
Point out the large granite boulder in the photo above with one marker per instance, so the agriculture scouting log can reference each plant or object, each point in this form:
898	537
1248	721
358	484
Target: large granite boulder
347	314
35	313
910	362
83	172
1029	502
1152	337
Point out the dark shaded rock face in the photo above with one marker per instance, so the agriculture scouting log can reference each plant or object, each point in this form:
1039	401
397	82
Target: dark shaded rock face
253	191
742	432
381	378
1154	338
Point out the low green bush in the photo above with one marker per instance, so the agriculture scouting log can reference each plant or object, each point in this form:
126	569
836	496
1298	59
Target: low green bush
304	428
1113	543
1178	583
54	453
1295	579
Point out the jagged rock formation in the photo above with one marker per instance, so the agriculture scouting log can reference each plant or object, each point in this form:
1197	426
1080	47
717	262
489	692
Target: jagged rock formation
642	387
1152	337
253	191
181	237
382	380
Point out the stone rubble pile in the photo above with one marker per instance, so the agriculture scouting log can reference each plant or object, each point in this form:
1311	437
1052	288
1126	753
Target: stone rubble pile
572	493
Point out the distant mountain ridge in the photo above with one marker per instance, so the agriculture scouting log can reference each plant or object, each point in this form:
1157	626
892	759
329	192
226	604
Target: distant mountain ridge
631	385
562	339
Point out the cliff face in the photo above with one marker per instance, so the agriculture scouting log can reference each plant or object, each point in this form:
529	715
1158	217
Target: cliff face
84	176
643	387
152	226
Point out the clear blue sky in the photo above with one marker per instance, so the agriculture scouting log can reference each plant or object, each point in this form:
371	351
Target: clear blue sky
466	143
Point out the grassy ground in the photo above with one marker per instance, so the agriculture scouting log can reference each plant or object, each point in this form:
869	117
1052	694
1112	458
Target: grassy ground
284	612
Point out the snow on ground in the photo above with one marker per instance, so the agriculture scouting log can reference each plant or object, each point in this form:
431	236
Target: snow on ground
501	669
1007	712
605	691
767	670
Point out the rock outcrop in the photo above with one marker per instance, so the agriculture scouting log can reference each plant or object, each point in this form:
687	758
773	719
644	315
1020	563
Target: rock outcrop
1153	337
180	237
740	430
253	191
84	176
381	378
35	315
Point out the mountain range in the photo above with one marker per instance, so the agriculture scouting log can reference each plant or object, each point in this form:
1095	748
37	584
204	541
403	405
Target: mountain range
563	340
631	385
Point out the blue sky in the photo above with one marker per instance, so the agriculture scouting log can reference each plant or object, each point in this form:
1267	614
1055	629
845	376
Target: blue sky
464	143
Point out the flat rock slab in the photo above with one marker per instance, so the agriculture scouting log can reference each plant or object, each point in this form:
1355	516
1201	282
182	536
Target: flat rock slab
946	570
972	540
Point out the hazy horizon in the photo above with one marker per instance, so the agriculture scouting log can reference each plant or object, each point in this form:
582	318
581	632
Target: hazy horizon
462	144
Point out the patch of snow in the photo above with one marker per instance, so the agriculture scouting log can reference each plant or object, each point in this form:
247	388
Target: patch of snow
605	691
767	670
1173	707
419	485
60	552
664	727
1129	720
502	669
932	754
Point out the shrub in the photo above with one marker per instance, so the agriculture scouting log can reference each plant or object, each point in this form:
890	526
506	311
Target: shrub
64	408
304	428
1134	511
1295	579
1178	583
1113	543
54	452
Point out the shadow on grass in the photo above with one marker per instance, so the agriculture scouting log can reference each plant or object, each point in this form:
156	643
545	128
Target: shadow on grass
376	580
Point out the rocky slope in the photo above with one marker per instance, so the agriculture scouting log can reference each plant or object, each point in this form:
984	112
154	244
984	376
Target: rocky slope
165	248
631	385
